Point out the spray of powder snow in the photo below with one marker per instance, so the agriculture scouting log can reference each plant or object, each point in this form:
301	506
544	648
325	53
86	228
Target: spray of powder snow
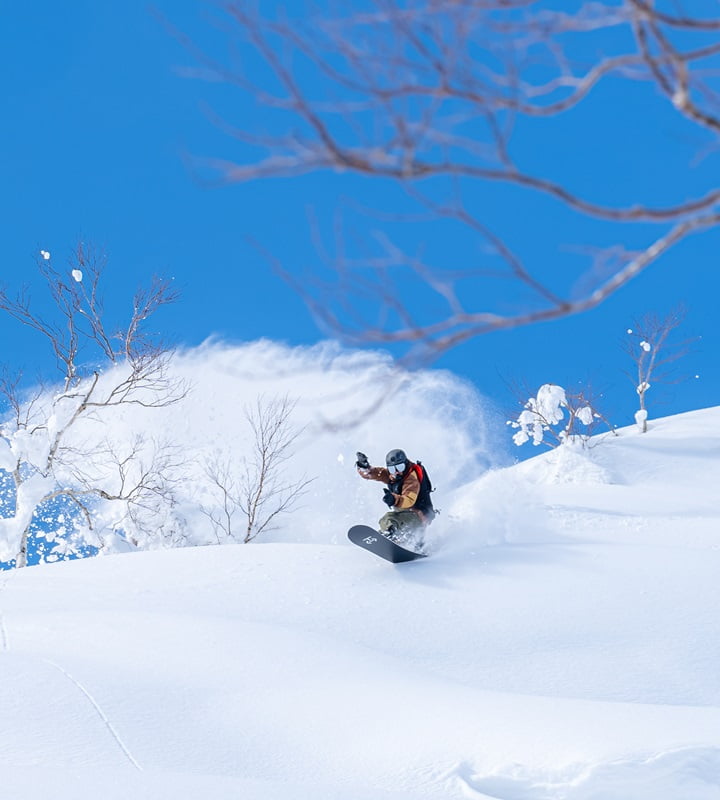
345	401
501	507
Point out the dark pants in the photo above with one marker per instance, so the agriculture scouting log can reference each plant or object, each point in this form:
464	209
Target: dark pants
406	523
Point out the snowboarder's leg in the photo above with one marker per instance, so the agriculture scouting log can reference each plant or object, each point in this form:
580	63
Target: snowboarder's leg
401	525
387	523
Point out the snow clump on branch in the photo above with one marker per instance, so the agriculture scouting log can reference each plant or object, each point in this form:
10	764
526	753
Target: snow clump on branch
546	411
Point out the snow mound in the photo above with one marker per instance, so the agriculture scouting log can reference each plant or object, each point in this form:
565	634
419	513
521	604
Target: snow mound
692	773
567	464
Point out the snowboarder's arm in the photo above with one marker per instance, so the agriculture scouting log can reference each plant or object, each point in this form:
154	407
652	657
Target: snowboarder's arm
375	474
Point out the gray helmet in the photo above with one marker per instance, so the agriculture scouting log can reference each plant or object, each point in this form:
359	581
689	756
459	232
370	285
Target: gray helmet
395	458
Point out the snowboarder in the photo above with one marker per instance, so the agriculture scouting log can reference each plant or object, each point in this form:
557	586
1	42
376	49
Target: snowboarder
407	494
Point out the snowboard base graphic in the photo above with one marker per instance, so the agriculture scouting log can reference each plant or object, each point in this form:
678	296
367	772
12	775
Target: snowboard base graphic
369	539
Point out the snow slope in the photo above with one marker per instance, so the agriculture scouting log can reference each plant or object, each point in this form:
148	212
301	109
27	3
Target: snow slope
562	643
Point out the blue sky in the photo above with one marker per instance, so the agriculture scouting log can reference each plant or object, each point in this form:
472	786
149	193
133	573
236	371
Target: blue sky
100	119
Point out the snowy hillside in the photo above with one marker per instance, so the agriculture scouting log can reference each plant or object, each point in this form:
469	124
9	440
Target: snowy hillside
562	643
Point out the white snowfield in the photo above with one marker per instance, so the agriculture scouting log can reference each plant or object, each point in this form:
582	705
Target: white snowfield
562	643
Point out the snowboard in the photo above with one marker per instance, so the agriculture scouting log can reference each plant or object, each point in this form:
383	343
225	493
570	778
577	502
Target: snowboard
368	538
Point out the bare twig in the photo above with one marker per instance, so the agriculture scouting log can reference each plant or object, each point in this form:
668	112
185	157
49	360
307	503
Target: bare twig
427	95
650	346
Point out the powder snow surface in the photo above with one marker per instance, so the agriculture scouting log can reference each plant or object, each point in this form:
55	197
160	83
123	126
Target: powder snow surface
562	643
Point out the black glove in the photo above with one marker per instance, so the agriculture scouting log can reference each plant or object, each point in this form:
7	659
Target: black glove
362	461
388	497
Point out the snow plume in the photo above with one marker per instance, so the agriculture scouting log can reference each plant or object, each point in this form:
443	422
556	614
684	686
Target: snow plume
345	401
28	496
501	507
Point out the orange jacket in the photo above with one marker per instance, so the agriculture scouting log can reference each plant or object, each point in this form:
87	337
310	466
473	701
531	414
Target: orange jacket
409	491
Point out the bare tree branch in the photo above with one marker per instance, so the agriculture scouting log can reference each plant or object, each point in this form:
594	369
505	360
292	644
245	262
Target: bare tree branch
247	502
264	493
426	95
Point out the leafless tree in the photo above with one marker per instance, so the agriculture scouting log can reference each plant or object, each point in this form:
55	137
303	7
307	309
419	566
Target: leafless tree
259	491
53	442
654	353
429	95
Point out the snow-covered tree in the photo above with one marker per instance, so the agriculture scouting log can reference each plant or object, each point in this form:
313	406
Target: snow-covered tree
245	496
66	488
554	417
652	350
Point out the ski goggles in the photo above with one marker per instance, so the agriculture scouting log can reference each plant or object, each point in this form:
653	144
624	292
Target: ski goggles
396	468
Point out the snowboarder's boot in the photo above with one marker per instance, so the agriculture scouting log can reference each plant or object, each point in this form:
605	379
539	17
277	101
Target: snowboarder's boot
392	532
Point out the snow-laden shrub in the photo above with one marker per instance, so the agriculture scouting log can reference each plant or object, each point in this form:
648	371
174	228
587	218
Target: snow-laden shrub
554	417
